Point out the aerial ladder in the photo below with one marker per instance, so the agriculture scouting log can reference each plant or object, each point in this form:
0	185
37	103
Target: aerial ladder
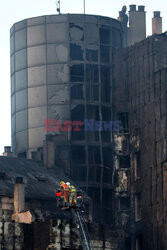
76	209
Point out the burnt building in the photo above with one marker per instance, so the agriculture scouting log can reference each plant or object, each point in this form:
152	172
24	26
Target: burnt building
141	75
30	218
61	70
84	68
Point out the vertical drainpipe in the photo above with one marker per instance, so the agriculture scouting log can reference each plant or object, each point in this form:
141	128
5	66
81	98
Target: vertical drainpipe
19	195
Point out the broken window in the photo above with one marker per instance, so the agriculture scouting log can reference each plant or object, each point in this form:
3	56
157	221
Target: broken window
77	113
78	154
104	35
93	112
79	173
137	207
107	175
92	92
124	203
106	114
78	135
92	74
92	55
105	80
107	198
77	91
137	165
105	92
106	136
116	39
76	32
77	73
124	118
105	74
94	155
124	161
76	52
92	175
107	157
105	54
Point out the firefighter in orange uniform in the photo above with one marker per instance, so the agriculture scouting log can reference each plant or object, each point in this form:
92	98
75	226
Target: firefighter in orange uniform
65	192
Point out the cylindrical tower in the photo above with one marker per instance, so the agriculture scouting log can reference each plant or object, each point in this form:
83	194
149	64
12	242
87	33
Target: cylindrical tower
61	69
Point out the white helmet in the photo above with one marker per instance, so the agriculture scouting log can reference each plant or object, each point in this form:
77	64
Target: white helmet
68	183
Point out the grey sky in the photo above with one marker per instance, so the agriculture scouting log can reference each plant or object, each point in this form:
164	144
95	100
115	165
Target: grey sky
16	10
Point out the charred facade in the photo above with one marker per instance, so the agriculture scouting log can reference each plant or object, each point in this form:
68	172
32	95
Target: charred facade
61	70
140	92
76	68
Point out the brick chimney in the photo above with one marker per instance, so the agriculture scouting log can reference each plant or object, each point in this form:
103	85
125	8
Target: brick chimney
8	151
137	24
19	195
156	23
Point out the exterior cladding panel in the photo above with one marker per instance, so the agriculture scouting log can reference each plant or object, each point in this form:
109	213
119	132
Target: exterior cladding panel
141	74
61	70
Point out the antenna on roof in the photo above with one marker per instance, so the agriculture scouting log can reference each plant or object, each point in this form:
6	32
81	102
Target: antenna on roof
58	6
84	6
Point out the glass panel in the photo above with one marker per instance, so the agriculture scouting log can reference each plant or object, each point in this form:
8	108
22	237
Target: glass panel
105	74
13	104
36	35
92	54
20	60
21	100
77	73
12	84
77	91
13	123
78	154
36	20
36	117
58	73
105	54
56	18
58	94
92	92
104	35
92	33
77	113
37	96
76	32
20	39
57	33
12	64
21	141
36	76
92	73
36	55
57	53
21	120
21	79
76	52
59	112
36	137
12	44
20	25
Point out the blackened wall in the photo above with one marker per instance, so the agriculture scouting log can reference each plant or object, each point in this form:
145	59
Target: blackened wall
140	89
